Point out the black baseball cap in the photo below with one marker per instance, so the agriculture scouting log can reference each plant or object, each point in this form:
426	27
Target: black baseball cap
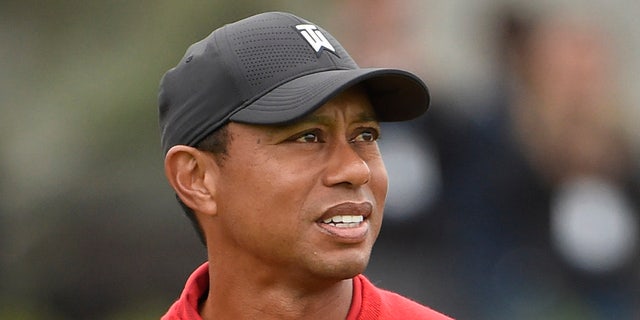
272	68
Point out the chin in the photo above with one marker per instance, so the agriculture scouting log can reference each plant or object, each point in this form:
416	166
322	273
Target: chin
345	267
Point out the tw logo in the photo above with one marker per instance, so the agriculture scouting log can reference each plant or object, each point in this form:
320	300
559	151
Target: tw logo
315	38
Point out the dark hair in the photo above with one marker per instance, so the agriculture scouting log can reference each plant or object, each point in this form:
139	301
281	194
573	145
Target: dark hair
216	143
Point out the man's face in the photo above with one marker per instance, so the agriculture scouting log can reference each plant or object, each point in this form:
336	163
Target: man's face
283	191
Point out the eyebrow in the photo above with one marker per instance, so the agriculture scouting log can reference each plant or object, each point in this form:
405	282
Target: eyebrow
311	119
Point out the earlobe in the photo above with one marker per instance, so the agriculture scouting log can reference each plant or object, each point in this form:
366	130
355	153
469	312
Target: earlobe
190	172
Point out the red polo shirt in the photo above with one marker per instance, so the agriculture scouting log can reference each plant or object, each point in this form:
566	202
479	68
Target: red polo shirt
368	302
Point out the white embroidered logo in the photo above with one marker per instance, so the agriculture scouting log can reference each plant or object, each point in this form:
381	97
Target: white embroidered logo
315	38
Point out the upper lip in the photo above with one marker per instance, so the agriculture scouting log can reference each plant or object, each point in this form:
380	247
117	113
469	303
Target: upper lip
348	209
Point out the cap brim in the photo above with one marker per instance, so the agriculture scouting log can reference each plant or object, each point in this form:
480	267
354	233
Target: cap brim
396	95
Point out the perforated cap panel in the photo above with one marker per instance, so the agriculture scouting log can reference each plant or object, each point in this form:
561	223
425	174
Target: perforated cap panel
265	52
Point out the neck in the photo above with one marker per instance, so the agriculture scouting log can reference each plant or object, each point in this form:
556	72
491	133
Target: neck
242	295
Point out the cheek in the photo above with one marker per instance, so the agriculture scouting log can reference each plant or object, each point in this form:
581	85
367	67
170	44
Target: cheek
264	189
379	185
265	209
379	179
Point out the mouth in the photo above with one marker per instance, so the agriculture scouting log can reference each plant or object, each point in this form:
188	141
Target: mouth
347	222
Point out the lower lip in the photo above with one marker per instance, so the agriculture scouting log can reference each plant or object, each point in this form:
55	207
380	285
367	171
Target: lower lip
347	235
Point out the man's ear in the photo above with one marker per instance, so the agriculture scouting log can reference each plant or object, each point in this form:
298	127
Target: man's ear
192	174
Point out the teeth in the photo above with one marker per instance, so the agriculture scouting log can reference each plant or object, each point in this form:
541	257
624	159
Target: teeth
344	219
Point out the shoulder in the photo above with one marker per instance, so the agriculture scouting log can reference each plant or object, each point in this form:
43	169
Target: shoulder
390	305
403	308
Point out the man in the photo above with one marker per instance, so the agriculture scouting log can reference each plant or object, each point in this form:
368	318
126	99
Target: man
269	132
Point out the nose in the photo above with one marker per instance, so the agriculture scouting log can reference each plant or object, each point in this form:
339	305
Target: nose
347	167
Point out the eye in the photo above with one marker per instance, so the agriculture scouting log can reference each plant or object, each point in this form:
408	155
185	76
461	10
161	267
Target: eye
308	137
367	135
